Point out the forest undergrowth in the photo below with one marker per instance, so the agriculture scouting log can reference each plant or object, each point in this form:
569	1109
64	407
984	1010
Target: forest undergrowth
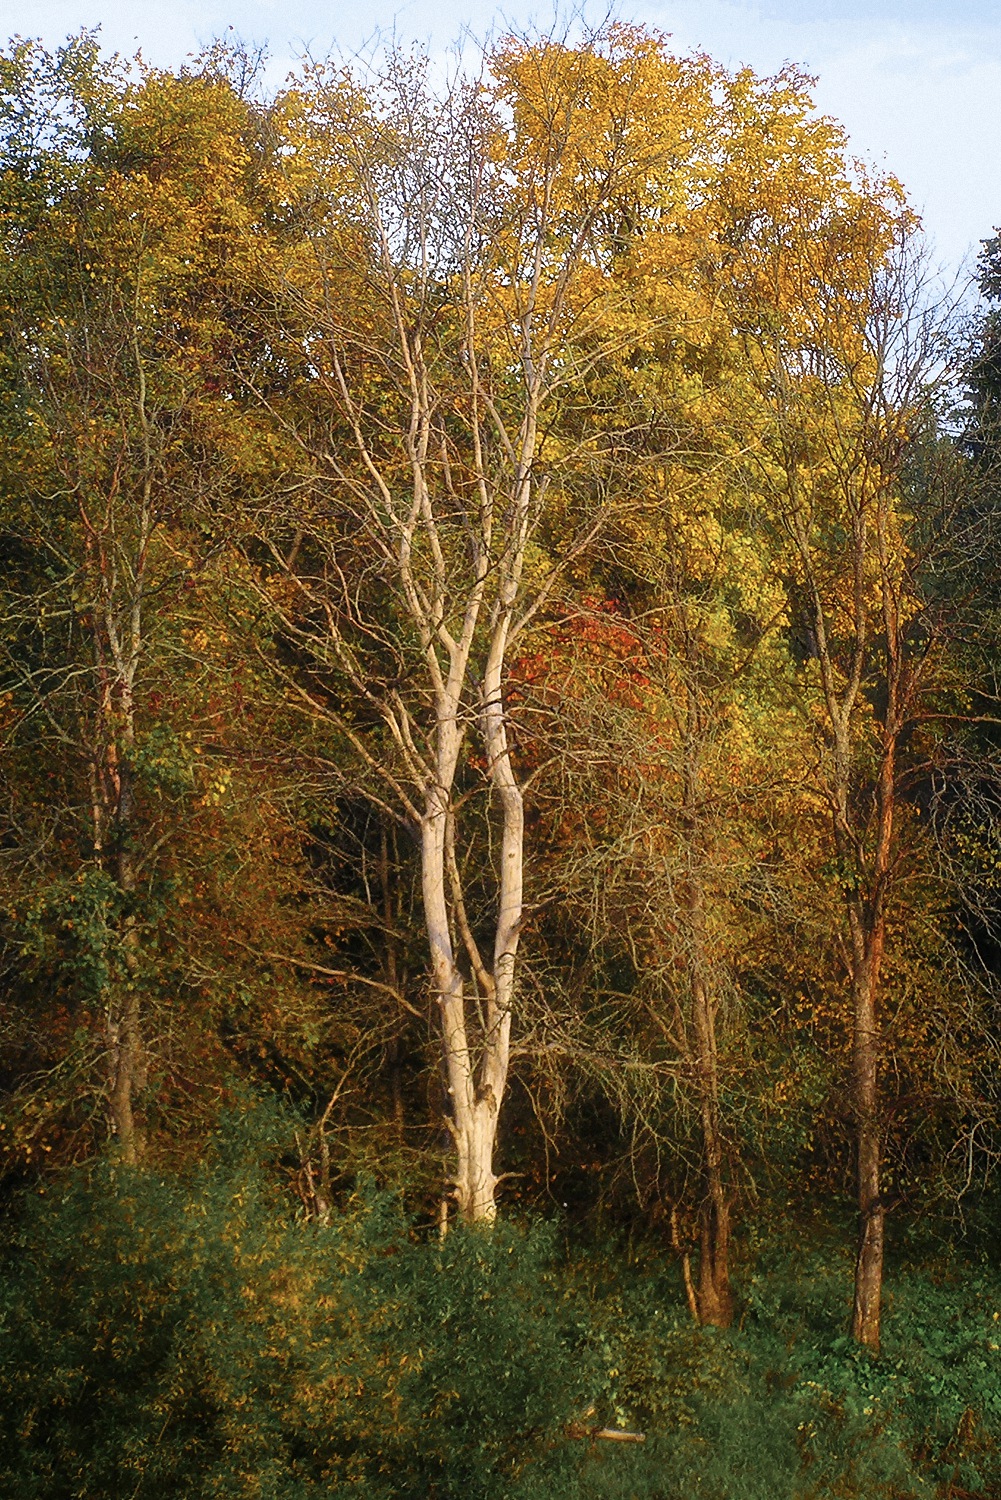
185	1335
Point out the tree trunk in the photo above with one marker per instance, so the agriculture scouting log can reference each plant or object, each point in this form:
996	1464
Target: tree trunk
715	1298
867	928
128	1066
474	1097
475	1183
126	1075
869	1146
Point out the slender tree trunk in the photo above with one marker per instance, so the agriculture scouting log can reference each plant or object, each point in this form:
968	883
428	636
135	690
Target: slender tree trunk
867	929
476	1047
715	1298
475	1180
126	1070
869	1145
127	1053
474	1101
118	645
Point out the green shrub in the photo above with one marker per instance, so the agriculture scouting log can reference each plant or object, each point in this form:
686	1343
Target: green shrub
785	1407
165	1338
171	1337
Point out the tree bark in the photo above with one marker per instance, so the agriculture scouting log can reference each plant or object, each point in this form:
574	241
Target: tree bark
126	1054
475	1180
128	1069
869	1145
475	1087
714	1294
118	645
715	1298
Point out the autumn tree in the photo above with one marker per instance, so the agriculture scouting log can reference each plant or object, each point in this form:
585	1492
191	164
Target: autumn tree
129	779
457	298
847	381
705	764
443	517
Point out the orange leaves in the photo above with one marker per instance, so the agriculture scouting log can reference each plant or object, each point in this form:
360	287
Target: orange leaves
589	647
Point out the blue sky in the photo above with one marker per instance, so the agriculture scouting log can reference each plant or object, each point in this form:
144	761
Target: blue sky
916	82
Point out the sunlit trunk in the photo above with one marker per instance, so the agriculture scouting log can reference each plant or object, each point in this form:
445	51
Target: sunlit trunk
714	1296
869	1146
475	1180
474	1102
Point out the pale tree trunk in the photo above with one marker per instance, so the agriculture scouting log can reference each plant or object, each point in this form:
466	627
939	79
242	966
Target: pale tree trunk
499	985
476	1039
475	1179
453	542
476	1075
474	1102
121	623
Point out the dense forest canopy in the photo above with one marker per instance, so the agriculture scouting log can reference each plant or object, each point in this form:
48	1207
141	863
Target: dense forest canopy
499	712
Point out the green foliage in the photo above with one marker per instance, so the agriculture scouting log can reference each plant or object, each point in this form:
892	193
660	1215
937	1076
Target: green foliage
69	928
166	1336
786	1405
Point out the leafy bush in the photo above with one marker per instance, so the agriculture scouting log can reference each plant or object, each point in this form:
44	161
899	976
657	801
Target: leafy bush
786	1407
165	1337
